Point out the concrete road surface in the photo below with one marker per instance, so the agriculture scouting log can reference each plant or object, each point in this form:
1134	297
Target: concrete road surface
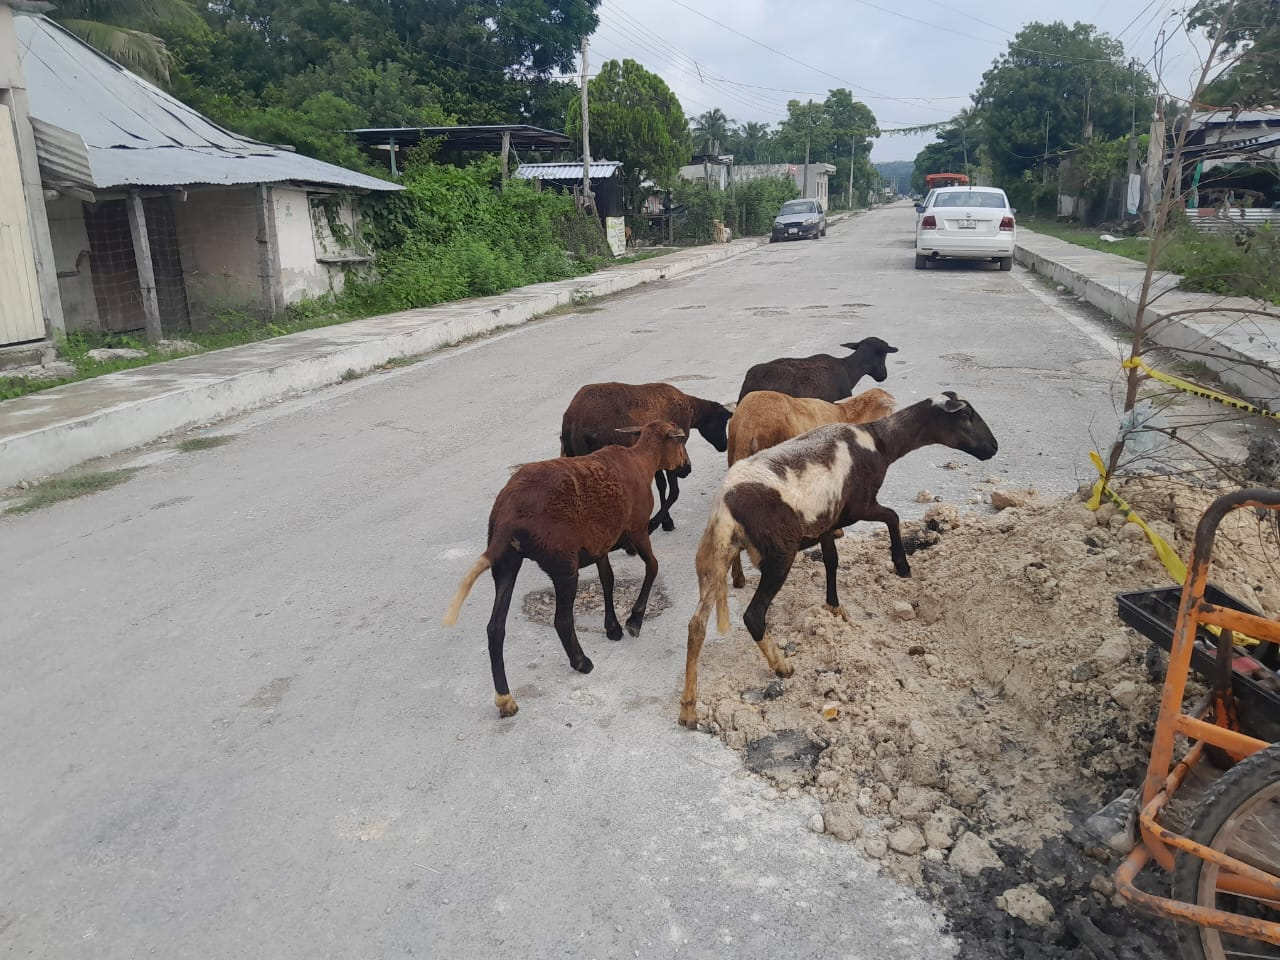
233	725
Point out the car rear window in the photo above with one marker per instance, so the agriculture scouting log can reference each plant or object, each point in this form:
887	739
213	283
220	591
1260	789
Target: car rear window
970	198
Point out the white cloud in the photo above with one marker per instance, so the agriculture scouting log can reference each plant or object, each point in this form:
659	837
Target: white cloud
908	72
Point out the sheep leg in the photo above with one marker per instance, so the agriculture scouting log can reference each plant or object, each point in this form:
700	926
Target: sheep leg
566	593
774	567
505	569
645	549
831	560
612	628
697	633
896	549
739	578
663	517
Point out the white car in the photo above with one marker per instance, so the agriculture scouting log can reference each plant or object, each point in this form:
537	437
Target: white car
965	223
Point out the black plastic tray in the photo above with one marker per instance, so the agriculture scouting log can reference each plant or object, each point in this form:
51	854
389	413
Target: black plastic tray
1153	613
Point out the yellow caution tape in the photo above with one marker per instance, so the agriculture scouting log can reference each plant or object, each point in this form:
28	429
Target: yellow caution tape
1194	388
1167	555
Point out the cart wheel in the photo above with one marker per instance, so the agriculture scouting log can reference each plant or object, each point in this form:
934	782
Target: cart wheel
1239	815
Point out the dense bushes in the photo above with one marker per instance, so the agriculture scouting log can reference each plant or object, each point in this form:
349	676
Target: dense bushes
452	234
748	210
1220	263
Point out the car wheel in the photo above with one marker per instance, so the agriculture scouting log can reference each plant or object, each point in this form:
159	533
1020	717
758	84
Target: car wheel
921	261
1006	264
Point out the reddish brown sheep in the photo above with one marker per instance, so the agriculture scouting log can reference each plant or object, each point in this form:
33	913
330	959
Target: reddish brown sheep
568	513
598	409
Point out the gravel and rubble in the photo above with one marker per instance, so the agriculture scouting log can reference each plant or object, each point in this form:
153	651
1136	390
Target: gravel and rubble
964	722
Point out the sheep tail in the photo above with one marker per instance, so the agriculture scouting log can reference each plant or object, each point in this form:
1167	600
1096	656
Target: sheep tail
464	588
715	553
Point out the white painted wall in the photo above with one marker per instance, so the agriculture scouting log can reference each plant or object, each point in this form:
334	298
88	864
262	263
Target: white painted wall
311	263
71	258
217	234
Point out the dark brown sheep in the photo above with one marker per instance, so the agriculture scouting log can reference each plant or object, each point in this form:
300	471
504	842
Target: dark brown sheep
821	376
565	514
797	494
598	409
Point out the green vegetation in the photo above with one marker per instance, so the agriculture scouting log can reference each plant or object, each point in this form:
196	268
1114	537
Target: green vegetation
1252	43
193	444
1208	263
636	119
69	487
748	210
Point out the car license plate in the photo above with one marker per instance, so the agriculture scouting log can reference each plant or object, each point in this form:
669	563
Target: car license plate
968	224
793	230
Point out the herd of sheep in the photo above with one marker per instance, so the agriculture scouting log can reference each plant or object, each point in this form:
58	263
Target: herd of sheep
806	459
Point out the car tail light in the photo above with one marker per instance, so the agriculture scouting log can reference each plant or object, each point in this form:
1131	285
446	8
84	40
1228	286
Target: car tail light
1006	223
929	223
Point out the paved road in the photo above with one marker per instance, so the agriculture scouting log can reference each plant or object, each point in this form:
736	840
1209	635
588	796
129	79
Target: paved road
234	727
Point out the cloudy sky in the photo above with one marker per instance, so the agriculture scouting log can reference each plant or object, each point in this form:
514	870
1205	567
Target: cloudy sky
912	61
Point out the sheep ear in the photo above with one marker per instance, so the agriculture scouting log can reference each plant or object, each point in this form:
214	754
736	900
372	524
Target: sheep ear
852	346
889	349
953	403
676	434
629	429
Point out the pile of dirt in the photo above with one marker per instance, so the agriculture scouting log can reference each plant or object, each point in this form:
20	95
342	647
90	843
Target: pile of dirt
962	723
539	606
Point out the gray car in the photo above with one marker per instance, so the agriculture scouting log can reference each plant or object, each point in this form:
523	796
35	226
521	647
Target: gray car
799	220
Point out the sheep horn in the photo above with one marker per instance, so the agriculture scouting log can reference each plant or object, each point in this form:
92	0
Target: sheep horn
629	429
675	434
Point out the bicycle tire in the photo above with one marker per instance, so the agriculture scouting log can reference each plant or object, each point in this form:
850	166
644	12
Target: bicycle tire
1251	782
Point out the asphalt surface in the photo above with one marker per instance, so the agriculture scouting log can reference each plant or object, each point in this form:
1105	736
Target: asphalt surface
234	726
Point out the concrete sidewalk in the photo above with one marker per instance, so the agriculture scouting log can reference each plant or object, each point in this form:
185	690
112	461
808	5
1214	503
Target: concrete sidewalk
49	431
1243	349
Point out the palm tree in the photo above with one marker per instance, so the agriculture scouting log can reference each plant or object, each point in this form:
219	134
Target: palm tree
711	129
752	141
117	28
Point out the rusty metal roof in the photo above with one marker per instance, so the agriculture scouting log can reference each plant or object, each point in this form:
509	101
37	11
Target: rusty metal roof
96	117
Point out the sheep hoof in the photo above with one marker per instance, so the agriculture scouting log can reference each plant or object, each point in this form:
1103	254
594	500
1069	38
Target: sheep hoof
836	612
506	705
613	631
903	571
634	624
739	582
689	715
668	524
784	667
586	666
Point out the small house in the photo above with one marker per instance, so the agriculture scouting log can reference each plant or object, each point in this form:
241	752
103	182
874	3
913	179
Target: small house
606	185
155	215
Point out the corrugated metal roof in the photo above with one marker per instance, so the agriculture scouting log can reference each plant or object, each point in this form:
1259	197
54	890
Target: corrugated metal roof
602	169
1217	117
128	132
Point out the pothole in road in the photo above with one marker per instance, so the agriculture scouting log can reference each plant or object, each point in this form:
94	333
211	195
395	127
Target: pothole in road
643	330
588	609
693	306
770	312
685	377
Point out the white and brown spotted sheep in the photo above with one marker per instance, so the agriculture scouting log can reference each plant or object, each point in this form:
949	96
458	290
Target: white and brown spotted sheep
797	494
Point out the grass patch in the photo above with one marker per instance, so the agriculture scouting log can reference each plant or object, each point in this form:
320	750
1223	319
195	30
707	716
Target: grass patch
1135	248
68	488
396	362
1245	266
192	444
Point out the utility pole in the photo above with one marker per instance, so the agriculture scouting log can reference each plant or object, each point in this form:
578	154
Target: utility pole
588	198
853	144
1128	209
1044	168
808	136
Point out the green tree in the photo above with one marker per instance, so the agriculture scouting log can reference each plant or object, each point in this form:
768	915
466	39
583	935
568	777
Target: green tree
636	119
1035	98
955	151
126	30
752	143
711	130
1250	51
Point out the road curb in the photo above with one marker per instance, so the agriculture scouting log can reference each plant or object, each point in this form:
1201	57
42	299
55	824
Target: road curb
1232	345
143	404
